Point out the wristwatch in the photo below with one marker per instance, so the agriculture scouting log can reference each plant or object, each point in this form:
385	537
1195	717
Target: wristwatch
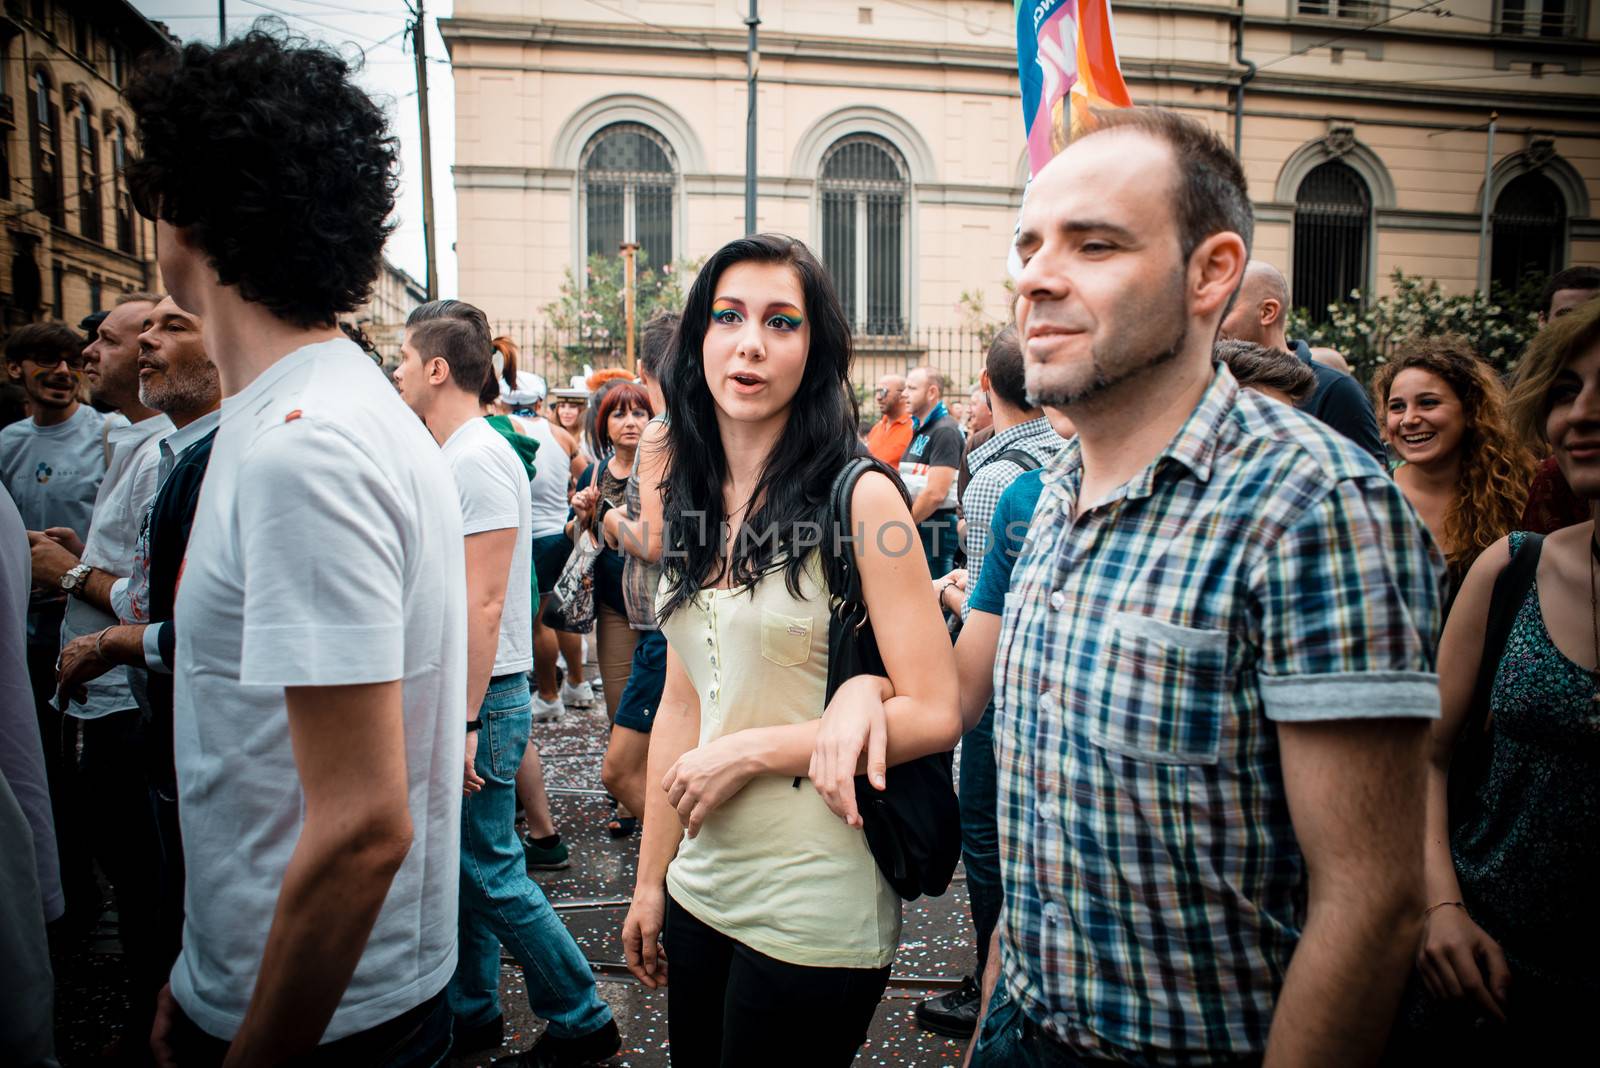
474	725
75	581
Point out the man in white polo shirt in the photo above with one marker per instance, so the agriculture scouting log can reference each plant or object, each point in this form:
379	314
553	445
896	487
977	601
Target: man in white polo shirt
444	362
321	635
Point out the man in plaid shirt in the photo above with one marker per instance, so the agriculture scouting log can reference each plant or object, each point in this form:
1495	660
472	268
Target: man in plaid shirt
1216	670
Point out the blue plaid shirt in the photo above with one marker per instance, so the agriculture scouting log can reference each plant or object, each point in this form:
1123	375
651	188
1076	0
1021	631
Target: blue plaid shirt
1262	568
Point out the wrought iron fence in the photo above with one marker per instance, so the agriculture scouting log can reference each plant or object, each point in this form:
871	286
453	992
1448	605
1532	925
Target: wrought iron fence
957	352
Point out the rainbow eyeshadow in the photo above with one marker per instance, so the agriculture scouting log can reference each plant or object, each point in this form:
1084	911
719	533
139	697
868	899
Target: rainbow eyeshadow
723	306
792	317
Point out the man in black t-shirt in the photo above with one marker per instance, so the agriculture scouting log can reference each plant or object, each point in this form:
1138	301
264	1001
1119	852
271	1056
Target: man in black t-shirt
1260	313
928	468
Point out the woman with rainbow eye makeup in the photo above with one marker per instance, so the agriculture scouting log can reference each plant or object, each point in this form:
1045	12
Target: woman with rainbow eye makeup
778	924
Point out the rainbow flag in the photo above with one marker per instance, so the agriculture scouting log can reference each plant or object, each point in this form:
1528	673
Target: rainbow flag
1067	60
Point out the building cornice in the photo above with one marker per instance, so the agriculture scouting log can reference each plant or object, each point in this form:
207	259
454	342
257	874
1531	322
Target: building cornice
881	55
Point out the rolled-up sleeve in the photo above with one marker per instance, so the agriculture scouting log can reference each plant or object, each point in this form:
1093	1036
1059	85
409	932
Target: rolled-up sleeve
1350	601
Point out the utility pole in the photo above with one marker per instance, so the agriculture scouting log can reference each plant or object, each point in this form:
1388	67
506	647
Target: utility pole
1485	208
629	249
222	22
419	37
753	63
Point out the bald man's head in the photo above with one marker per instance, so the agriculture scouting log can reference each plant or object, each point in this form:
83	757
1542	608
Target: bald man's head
1261	310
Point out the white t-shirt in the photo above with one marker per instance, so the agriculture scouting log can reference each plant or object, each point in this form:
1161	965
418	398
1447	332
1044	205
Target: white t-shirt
552	474
493	488
21	751
325	552
132	478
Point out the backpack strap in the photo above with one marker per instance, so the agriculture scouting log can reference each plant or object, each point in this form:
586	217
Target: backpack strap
1469	761
1510	589
1021	457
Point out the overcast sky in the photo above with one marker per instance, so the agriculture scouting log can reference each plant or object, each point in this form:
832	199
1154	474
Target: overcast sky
377	28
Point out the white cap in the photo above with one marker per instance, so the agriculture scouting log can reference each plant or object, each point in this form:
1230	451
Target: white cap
532	390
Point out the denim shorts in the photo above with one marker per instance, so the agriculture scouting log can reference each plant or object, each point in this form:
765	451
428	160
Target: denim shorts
636	709
550	554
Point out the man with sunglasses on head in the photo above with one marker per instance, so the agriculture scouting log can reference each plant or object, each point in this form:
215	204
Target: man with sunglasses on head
52	465
888	439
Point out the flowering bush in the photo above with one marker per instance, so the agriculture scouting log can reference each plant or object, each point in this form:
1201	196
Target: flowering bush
1368	333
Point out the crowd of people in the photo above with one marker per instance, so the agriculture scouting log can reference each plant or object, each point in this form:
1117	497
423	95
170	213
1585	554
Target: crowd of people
1275	702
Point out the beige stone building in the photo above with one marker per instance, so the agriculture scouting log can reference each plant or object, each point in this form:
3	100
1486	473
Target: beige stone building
383	317
70	241
891	138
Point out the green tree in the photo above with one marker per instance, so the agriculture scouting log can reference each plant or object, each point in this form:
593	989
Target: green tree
588	322
1369	332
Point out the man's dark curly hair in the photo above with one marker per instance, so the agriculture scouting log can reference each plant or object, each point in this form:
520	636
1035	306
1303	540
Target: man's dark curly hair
281	171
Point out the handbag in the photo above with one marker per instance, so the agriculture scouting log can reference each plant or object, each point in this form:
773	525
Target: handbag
913	825
571	608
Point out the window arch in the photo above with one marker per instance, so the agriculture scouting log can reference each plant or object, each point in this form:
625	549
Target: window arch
628	175
1529	230
864	190
88	159
44	139
1332	237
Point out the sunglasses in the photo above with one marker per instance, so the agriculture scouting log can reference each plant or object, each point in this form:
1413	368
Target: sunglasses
73	361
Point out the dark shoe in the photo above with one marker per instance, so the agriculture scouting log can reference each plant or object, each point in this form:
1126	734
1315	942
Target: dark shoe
555	858
486	1035
955	1014
622	826
596	1047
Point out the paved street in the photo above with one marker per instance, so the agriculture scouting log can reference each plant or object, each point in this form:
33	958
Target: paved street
590	895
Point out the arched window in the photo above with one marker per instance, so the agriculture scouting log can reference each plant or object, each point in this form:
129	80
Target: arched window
1530	223
88	155
1332	231
629	186
864	192
44	138
122	200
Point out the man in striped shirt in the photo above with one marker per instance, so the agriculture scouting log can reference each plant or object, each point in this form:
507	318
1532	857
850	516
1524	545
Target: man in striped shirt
1216	669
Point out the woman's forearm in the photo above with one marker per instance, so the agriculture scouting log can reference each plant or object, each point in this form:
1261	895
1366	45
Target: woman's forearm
676	731
916	727
1438	867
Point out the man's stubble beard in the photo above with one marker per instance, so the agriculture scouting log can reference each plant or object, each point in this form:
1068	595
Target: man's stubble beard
181	393
1109	370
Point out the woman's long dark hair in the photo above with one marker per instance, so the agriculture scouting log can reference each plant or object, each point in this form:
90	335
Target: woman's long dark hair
791	495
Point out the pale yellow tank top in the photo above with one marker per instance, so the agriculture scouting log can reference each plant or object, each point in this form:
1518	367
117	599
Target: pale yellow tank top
773	868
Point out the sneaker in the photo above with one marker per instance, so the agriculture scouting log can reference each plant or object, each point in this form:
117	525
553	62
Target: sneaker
554	858
547	709
486	1035
953	1014
596	1047
579	696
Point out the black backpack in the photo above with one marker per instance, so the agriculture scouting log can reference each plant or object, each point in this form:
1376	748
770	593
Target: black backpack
913	825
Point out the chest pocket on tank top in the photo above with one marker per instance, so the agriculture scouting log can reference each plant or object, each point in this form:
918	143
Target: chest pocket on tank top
785	640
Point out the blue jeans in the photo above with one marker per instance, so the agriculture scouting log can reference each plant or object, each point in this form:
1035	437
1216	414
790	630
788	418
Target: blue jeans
980	835
499	903
941	537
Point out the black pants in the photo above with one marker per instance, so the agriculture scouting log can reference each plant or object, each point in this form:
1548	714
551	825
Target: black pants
728	1005
125	839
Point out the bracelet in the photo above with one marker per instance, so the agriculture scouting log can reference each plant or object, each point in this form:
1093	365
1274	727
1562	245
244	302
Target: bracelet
99	648
1431	909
